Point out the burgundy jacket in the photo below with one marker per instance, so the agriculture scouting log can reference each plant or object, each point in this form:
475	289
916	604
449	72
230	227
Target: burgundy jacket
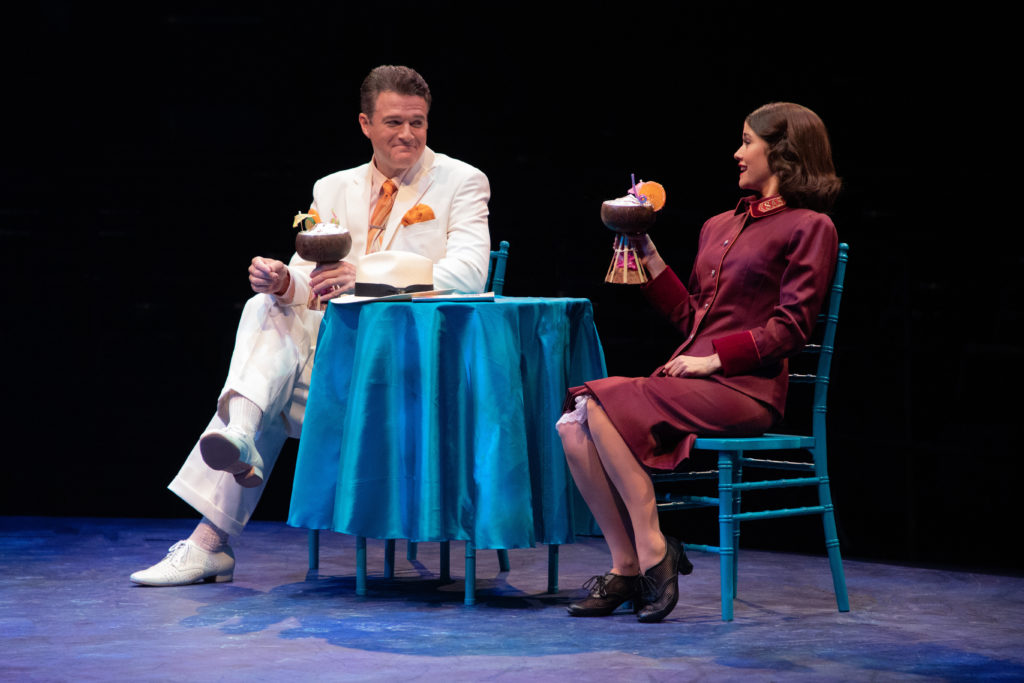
758	283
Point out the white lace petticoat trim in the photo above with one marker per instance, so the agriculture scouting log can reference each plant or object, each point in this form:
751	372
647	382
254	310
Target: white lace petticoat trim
578	414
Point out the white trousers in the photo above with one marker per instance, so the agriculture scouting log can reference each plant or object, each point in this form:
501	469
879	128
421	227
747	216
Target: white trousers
271	366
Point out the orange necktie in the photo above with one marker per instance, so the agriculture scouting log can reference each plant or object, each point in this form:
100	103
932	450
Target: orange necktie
379	217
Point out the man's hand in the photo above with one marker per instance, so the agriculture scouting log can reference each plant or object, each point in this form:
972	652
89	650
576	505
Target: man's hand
268	276
693	366
330	280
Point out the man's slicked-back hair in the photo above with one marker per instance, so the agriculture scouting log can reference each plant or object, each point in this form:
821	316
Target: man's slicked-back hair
398	79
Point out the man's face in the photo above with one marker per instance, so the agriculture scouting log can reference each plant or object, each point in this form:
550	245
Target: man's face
397	131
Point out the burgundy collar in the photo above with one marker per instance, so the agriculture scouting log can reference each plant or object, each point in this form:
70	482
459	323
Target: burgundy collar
759	207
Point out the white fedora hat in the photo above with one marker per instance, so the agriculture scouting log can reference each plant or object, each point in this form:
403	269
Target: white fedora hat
392	274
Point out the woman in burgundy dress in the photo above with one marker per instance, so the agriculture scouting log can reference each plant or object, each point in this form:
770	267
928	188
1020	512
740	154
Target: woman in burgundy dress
759	280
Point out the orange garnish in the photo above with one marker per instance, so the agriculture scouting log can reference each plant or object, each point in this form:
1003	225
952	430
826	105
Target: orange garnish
316	216
654	192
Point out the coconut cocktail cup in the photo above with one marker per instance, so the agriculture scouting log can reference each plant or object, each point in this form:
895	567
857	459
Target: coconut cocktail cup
632	215
625	217
324	247
325	243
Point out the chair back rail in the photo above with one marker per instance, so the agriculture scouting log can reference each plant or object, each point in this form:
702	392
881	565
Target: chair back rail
496	269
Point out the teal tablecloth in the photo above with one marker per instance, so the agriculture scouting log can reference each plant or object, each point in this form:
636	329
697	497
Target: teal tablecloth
435	421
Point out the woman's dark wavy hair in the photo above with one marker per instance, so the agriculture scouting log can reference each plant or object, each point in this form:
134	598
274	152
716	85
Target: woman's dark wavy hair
799	154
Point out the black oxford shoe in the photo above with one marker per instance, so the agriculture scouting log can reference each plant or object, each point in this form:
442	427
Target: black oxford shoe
606	594
661	583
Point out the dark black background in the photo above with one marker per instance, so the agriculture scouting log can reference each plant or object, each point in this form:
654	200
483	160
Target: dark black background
149	152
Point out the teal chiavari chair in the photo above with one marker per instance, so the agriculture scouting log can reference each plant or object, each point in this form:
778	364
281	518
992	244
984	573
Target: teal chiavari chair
733	460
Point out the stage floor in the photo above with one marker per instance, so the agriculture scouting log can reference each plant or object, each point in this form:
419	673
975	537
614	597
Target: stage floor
69	613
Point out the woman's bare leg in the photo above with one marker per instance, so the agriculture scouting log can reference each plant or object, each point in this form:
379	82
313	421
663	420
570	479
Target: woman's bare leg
632	485
604	503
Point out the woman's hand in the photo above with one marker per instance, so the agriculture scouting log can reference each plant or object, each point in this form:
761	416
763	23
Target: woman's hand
693	366
268	276
331	280
648	254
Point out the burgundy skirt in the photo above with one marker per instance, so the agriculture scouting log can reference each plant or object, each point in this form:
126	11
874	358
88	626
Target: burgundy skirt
660	417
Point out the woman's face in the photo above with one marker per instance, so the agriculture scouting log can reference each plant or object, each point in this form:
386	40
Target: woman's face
753	160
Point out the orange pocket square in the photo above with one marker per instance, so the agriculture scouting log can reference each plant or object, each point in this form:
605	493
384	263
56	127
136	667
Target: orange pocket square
418	214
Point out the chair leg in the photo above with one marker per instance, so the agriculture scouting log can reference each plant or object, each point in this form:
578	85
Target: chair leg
470	574
446	561
360	565
835	561
726	551
552	568
503	563
410	551
389	558
737	476
314	548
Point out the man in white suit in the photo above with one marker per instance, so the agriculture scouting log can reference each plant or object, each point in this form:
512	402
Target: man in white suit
439	211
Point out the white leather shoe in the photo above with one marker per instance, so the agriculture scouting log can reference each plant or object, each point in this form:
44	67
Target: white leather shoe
233	451
188	563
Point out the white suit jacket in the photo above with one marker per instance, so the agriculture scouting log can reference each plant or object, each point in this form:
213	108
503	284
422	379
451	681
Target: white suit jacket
457	240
